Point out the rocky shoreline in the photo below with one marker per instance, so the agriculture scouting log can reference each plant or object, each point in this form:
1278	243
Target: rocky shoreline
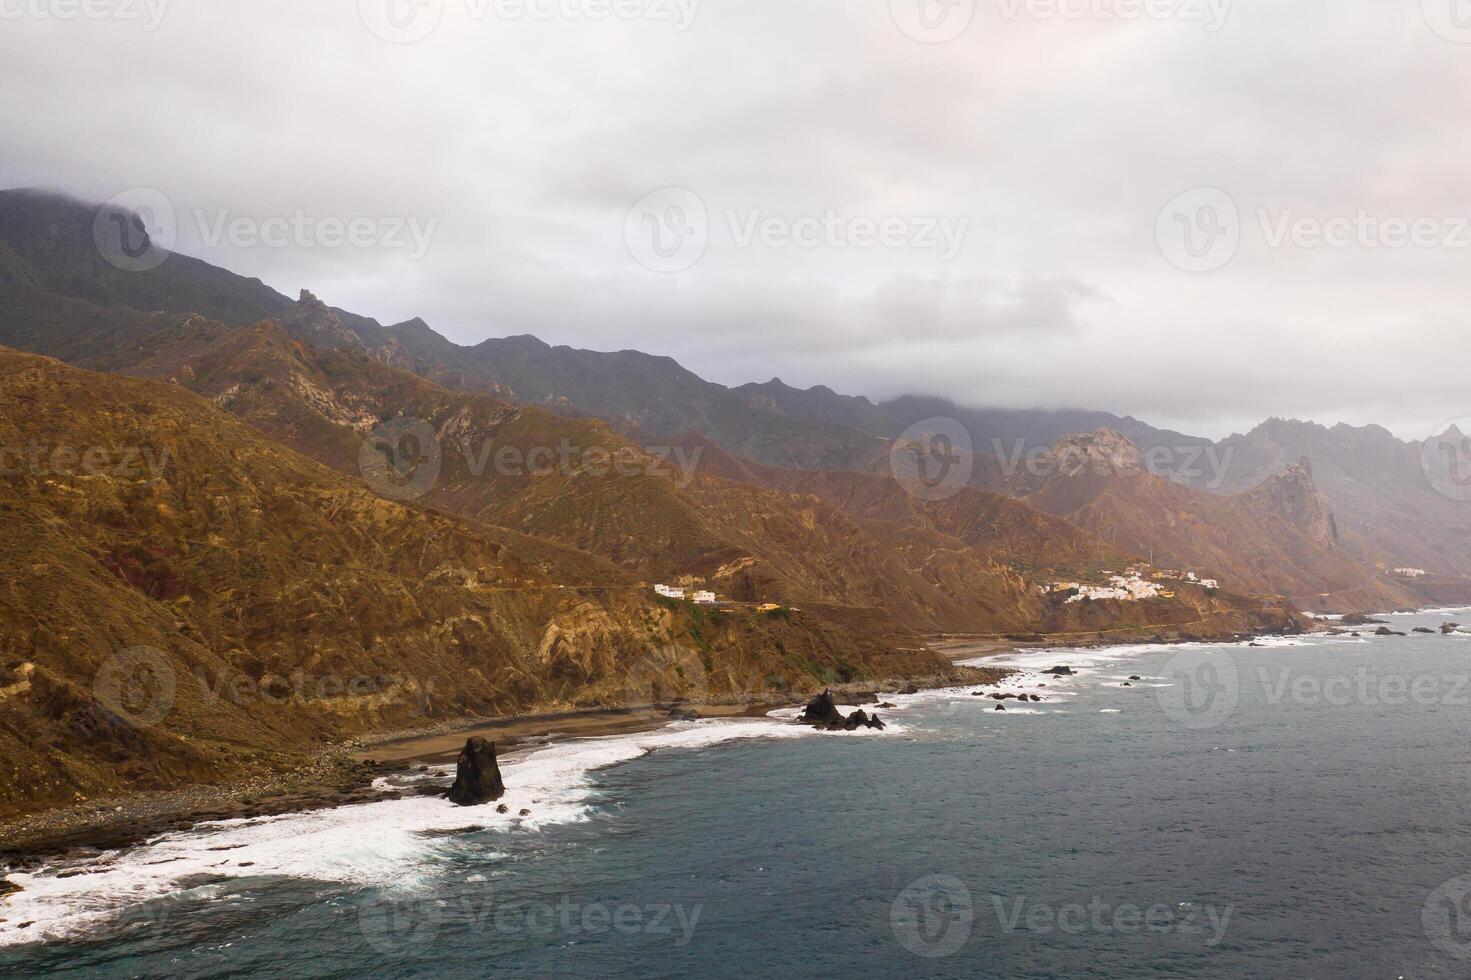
343	775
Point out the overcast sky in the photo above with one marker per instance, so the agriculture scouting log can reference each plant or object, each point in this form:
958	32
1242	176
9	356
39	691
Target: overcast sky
999	190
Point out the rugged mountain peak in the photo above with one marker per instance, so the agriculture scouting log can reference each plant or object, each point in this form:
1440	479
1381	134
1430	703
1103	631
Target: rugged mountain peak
1292	494
318	324
1098	451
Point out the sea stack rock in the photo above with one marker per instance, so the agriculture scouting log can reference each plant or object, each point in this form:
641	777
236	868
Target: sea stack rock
1062	671
822	711
477	776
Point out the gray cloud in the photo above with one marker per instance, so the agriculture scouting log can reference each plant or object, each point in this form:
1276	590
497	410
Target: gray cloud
1058	141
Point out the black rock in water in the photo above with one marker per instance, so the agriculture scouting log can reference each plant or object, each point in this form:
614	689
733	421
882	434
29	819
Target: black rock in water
477	775
876	724
855	721
1063	671
821	710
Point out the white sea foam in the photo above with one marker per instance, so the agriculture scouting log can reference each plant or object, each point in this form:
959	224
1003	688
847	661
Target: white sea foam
1433	611
381	844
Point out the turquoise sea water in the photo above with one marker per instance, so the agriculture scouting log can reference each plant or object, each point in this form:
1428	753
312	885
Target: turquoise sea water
1302	809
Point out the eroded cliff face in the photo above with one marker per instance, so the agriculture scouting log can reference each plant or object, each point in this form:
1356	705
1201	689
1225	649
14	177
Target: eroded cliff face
186	600
1292	496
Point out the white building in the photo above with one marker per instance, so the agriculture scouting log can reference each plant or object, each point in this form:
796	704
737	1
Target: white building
1410	572
705	598
669	591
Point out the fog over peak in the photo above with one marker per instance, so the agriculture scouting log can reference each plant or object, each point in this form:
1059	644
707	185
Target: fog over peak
996	218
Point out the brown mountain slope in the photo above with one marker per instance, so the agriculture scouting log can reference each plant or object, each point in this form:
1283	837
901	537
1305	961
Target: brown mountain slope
571	480
1390	511
1279	538
138	516
578	482
1004	528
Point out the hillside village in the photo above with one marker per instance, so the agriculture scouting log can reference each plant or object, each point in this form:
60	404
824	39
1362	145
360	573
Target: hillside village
702	597
1130	586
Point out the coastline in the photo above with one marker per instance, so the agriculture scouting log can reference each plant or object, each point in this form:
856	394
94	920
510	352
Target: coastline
544	751
344	774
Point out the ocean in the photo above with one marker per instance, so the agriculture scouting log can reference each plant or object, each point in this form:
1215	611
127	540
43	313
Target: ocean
1302	808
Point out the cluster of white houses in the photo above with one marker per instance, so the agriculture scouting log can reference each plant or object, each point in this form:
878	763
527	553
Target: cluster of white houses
676	592
1131	586
1410	572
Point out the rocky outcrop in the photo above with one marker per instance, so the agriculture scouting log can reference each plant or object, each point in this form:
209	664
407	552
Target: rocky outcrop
1062	671
477	775
822	711
1386	631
